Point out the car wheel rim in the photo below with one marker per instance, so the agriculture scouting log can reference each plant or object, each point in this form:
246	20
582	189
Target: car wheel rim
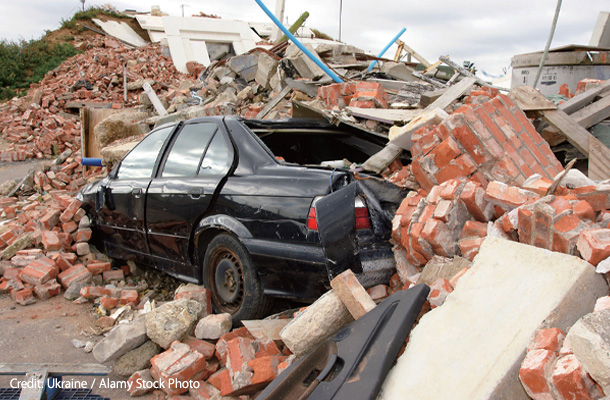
227	278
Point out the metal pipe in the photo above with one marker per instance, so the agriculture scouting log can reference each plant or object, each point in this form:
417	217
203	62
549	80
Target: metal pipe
294	40
386	48
294	27
91	162
548	43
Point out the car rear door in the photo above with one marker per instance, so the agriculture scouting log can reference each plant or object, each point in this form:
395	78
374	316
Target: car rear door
198	159
125	193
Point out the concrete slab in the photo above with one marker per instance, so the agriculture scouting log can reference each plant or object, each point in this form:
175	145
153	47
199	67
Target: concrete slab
471	347
122	31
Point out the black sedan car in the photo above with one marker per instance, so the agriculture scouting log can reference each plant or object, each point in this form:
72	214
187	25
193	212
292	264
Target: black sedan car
251	209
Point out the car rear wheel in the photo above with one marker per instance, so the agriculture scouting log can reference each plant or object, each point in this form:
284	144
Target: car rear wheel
229	274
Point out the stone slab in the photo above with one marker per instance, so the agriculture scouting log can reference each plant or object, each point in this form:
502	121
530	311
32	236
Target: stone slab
471	347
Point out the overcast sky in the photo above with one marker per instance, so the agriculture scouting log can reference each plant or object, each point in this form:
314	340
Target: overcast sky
487	33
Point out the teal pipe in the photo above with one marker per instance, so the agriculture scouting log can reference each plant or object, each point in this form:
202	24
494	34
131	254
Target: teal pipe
294	40
386	48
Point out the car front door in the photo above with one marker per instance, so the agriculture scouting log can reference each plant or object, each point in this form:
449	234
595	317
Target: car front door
125	194
199	158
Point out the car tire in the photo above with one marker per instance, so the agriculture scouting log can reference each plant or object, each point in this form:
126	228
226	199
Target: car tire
229	274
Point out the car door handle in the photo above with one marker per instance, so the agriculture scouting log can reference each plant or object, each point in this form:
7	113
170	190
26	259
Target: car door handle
136	193
196	192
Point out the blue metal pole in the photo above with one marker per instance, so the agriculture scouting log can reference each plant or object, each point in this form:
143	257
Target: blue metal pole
386	48
91	162
299	44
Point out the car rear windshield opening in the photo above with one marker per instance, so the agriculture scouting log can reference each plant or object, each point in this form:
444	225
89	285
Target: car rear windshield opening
314	148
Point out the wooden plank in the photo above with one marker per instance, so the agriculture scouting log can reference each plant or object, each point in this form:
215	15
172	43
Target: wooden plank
380	160
90	117
54	369
266	329
386	115
416	55
593	113
37	380
529	99
576	134
453	93
274	102
581	100
599	159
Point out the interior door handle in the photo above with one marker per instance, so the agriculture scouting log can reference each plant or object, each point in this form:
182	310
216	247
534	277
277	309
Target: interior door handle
137	193
196	192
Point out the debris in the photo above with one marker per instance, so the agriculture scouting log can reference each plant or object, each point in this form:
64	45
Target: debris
122	339
510	291
352	294
136	359
213	326
173	320
319	321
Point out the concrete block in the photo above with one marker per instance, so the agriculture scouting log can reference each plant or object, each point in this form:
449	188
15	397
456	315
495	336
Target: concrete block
352	294
123	338
213	326
267	67
319	321
172	321
477	340
590	341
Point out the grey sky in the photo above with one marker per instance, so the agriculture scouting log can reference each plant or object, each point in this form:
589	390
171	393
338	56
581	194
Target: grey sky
488	33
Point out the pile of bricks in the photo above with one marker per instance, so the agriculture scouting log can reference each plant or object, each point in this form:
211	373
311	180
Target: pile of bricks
230	364
40	124
485	171
550	369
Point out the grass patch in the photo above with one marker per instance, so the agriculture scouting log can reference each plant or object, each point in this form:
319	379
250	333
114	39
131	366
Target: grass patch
25	62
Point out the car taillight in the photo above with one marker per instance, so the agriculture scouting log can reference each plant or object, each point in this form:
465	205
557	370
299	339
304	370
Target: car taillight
361	214
312	222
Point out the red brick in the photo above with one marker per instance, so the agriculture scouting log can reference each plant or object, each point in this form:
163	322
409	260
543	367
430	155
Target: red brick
114	274
594	245
474	229
65	261
76	273
525	225
469	247
221	380
543	220
549	339
130	297
47	290
109	302
11	273
69	212
265	369
508	197
473	197
446	151
23	297
50	219
97	268
69	226
439	290
535	370
201	346
176	366
221	345
378	292
50	241
204	391
569	379
140	383
198	293
83	235
439	236
93	292
584	210
38	274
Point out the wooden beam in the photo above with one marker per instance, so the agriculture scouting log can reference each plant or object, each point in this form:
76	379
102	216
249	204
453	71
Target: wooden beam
453	93
581	100
274	102
415	54
528	99
593	113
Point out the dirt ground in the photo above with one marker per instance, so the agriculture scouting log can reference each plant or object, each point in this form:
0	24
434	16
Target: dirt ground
43	333
17	170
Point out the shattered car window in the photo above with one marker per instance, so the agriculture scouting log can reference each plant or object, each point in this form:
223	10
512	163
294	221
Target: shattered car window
188	149
139	163
216	158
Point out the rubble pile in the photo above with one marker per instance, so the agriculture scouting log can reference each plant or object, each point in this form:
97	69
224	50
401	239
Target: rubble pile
483	181
41	125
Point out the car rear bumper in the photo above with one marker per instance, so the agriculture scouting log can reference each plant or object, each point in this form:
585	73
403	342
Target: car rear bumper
299	271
